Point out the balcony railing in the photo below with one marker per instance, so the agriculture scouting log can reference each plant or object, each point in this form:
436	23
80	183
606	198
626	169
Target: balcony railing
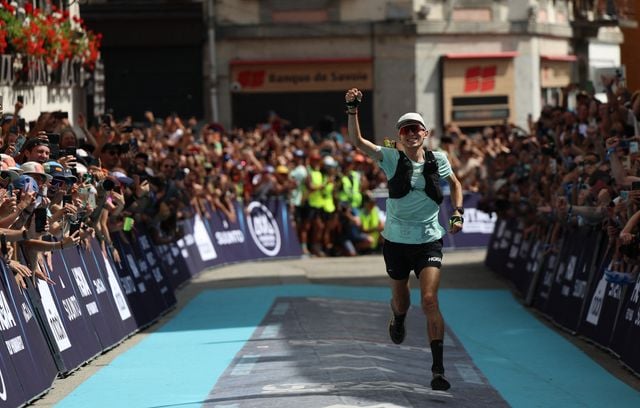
606	12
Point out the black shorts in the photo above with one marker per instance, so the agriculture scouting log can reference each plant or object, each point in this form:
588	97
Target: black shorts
401	259
301	213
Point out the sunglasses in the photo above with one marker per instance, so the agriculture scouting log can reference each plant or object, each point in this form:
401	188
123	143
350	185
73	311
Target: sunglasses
410	128
58	183
590	162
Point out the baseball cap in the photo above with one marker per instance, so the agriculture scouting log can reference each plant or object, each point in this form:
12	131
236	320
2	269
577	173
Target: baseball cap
298	153
409	119
123	178
54	169
330	162
32	143
282	169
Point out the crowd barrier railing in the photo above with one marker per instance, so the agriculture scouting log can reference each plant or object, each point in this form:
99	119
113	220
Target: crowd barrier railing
50	330
564	278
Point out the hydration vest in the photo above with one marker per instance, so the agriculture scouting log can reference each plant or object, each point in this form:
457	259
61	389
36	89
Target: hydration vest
400	183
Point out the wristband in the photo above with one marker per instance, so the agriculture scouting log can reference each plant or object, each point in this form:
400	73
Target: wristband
354	103
351	112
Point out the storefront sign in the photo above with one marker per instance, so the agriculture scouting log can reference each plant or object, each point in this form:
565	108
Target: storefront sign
478	88
301	76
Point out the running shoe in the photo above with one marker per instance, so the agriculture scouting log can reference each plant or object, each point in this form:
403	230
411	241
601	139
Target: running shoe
397	331
439	382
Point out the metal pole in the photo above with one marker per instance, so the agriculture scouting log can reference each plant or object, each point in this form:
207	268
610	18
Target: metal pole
213	67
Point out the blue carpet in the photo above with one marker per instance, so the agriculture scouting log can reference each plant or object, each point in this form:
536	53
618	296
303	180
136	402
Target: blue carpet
178	364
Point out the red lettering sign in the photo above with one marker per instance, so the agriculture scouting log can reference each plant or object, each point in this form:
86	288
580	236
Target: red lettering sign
480	79
251	79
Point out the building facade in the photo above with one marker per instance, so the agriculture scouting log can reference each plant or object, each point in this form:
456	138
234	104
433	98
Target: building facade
473	62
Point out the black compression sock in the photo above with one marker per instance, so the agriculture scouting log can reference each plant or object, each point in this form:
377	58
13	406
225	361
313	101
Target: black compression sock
437	350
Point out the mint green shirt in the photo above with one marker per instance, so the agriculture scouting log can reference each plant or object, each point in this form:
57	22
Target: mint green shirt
412	219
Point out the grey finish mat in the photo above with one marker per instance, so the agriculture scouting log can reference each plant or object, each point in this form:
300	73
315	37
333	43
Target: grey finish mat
325	352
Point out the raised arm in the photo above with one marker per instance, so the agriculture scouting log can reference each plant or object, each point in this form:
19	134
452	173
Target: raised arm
353	99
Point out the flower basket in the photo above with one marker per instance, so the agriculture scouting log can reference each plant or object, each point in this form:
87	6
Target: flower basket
44	47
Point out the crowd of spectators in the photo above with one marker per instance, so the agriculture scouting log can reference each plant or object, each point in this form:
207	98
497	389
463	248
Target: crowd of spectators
573	167
63	182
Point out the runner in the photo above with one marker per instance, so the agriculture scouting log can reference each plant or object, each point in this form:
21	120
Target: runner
412	234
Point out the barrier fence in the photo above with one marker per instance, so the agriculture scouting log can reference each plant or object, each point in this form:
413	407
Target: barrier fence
49	330
564	278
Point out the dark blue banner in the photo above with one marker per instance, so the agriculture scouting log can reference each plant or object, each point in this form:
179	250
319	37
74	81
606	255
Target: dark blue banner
575	269
73	332
96	310
174	264
150	299
528	263
11	392
102	267
626	336
23	344
603	301
500	245
149	259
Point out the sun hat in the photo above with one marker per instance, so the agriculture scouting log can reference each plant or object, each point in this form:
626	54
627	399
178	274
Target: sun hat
32	168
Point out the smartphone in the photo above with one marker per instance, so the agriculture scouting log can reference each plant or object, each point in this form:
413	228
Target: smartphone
633	147
105	119
20	98
40	217
635	185
67	199
127	129
19	143
54	138
74	226
69	151
133	145
22	125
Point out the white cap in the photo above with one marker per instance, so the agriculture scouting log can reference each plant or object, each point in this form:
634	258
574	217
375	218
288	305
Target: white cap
330	161
410	118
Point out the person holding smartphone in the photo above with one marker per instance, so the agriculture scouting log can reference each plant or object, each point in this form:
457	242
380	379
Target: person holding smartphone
412	233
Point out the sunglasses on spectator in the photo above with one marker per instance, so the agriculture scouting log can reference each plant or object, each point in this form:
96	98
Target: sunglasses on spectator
590	162
58	183
410	128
